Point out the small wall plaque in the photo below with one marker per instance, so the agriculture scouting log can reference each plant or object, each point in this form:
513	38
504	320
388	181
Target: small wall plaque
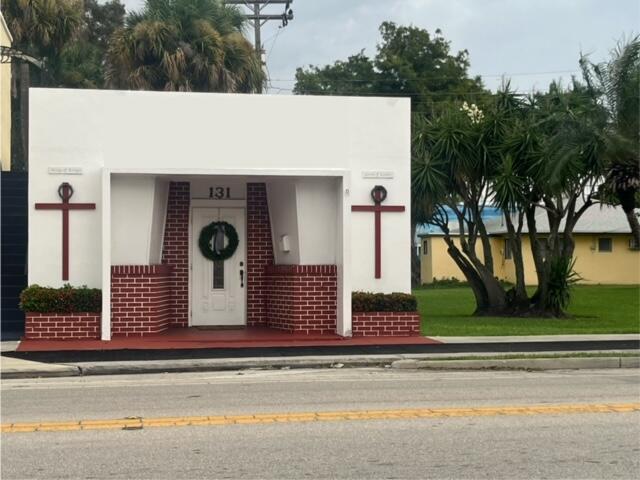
65	170
377	174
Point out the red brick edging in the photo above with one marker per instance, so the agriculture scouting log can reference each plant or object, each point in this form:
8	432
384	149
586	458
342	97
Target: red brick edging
62	326
377	324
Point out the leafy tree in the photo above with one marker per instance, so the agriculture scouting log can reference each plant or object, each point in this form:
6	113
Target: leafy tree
615	86
41	29
355	76
409	62
511	152
186	45
102	20
81	62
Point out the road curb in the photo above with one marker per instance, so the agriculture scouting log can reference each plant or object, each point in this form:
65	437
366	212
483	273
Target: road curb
108	368
71	371
388	361
521	363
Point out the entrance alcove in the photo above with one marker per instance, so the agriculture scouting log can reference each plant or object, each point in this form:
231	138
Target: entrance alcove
160	280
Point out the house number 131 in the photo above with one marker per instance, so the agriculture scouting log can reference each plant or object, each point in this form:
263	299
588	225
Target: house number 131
219	192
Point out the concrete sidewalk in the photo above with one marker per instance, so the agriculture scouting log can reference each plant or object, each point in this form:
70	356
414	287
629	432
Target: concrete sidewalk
498	358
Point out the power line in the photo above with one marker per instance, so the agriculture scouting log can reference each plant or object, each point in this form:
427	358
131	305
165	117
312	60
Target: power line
444	77
401	94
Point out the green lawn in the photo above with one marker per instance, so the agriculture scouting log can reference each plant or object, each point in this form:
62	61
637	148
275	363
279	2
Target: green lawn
594	309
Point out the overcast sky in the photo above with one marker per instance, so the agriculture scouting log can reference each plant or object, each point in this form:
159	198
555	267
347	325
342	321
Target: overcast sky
530	41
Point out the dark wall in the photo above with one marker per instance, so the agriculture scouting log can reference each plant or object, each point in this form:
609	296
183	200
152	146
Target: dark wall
13	208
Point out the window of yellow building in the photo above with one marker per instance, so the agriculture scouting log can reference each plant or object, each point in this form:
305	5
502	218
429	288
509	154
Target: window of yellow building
605	244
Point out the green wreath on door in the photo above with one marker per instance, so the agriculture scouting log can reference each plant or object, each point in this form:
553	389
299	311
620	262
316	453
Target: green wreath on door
211	241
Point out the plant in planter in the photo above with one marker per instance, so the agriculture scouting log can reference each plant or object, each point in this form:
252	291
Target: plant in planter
384	314
67	299
383	302
61	313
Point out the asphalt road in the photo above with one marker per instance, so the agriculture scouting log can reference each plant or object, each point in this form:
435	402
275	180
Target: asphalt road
473	445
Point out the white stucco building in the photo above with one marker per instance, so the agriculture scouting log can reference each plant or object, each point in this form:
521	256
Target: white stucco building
283	171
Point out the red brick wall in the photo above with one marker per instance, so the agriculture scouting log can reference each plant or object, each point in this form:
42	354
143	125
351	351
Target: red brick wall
175	251
141	299
259	252
376	324
302	298
62	326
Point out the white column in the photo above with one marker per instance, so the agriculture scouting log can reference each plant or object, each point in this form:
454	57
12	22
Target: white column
343	257
106	255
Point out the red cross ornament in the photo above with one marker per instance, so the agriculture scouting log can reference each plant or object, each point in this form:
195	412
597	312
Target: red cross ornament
378	194
65	191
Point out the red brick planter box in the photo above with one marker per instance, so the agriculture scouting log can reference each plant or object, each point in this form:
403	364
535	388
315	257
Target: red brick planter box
62	326
378	324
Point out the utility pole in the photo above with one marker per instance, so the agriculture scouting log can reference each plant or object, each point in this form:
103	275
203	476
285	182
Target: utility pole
258	18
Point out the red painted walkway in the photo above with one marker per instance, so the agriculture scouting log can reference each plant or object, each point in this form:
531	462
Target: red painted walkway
189	338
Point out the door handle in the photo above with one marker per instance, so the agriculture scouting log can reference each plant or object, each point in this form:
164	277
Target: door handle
241	278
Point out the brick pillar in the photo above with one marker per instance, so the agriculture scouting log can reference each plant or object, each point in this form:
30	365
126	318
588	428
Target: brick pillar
259	252
175	250
302	298
141	299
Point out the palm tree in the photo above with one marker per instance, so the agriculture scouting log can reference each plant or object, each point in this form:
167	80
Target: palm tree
40	29
184	45
615	86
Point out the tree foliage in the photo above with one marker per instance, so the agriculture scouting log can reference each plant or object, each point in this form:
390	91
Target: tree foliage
42	27
518	155
409	62
184	45
614	85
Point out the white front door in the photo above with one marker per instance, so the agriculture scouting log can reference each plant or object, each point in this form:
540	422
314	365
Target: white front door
218	288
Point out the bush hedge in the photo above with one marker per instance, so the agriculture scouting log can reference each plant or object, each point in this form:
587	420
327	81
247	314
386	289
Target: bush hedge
67	299
383	302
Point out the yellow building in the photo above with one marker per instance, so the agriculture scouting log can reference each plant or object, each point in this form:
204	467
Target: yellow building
5	99
604	252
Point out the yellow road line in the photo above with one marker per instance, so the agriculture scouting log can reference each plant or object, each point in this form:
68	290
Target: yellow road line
134	423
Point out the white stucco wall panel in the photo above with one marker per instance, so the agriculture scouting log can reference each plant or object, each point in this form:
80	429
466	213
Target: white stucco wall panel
180	133
281	198
317	219
160	199
45	229
132	213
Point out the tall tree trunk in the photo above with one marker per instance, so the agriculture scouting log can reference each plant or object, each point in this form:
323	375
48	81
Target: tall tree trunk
538	252
515	243
635	226
416	279
627	199
472	277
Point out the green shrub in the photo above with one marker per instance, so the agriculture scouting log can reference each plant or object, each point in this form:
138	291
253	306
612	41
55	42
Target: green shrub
67	299
383	302
562	279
